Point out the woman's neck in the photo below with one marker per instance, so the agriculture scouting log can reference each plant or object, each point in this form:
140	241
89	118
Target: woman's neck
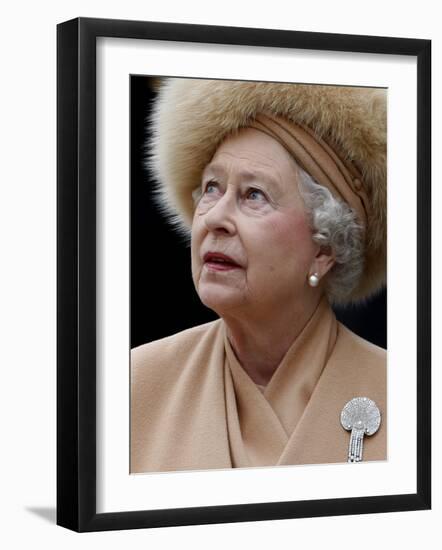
261	342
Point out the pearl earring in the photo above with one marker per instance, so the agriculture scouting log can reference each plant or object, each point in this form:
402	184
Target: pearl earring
313	280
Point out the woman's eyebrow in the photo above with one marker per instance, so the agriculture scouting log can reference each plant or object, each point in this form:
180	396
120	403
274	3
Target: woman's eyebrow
246	175
213	168
252	175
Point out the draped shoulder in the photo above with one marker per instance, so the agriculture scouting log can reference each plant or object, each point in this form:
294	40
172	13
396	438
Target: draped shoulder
162	357
177	389
360	365
356	368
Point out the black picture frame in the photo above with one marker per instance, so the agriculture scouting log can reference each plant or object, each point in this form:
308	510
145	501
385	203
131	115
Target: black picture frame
77	287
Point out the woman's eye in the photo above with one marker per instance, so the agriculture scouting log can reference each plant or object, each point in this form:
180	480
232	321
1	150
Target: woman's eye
211	187
255	194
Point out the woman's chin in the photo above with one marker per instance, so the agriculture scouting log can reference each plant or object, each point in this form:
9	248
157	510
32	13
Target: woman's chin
220	301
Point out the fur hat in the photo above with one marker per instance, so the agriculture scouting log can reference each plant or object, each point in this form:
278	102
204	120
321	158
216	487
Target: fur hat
191	118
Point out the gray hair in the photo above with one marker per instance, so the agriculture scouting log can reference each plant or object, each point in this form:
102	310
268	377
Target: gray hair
335	225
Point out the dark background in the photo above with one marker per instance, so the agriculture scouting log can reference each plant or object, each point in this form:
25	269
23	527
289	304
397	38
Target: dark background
163	299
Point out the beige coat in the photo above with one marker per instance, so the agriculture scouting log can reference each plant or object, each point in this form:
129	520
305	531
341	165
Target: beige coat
193	407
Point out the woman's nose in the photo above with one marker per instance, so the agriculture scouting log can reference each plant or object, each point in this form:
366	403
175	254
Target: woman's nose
221	216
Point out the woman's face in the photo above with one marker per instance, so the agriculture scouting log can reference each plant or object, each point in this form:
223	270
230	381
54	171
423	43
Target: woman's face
252	246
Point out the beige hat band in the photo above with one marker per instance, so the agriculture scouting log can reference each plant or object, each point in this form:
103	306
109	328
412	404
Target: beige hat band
318	159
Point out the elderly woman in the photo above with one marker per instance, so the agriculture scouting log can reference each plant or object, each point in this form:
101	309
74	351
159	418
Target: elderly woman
283	188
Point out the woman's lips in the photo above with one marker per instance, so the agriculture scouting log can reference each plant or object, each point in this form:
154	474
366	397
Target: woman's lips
216	261
218	266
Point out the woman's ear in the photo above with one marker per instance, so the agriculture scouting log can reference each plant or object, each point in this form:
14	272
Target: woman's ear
323	262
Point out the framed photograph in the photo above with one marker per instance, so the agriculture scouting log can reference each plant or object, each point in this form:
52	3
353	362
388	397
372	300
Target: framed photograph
226	348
